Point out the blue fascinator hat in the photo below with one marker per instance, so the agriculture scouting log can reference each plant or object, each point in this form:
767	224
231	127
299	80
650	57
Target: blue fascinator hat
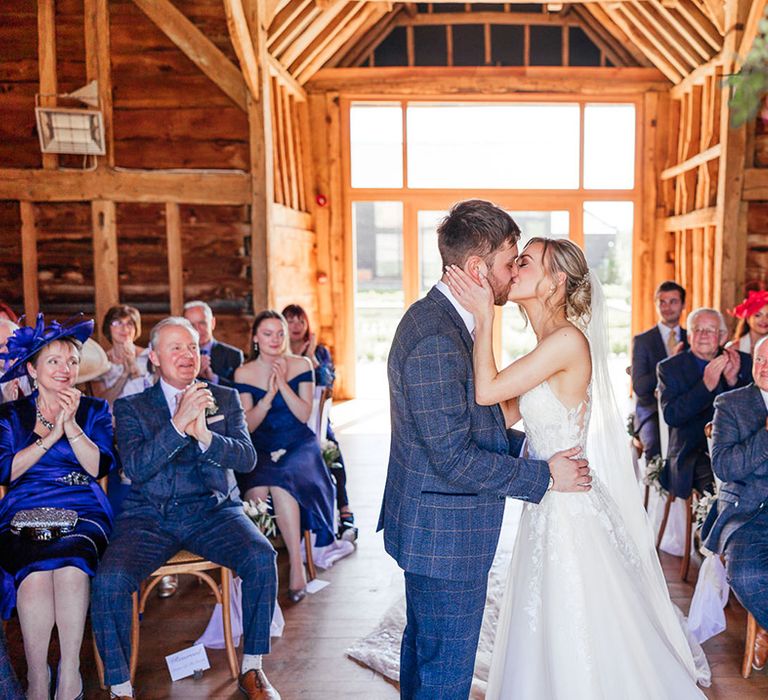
28	341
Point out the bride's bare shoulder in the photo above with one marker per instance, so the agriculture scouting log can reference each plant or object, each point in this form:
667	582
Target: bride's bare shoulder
568	338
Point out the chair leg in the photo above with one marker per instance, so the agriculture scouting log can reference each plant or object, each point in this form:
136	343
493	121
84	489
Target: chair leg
686	563
134	636
663	526
749	646
647	496
99	663
226	611
311	571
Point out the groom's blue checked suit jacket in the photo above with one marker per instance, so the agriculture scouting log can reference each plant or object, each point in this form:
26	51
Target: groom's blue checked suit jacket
147	443
740	459
449	463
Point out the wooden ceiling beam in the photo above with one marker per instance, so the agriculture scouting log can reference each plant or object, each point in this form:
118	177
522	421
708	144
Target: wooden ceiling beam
701	23
675	19
372	22
604	20
646	46
716	11
756	12
294	30
666	33
317	29
192	187
285	15
457	18
240	36
197	47
660	48
368	43
271	8
441	82
280	72
351	29
602	38
321	40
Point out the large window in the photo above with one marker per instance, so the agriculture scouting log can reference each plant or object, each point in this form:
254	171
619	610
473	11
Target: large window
561	168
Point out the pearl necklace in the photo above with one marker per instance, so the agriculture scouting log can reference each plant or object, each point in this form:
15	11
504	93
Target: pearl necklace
43	420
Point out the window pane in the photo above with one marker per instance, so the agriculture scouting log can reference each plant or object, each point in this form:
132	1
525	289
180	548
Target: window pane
608	248
520	146
517	338
378	234
430	263
609	147
376	136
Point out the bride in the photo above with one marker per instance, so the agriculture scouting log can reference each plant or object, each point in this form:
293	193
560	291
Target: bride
586	613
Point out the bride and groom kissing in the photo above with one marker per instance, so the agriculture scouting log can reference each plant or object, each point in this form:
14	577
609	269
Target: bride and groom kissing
586	614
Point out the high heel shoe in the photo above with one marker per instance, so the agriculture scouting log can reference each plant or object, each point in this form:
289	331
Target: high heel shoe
54	689
296	596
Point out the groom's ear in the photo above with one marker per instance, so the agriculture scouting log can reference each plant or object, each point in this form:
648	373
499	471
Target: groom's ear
475	266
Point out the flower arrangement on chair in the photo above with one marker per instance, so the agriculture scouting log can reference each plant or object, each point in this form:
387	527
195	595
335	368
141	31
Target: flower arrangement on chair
261	514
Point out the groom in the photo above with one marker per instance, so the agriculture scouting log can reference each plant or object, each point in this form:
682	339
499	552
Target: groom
450	466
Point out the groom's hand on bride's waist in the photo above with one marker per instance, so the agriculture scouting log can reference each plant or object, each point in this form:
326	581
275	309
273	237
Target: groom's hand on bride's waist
569	472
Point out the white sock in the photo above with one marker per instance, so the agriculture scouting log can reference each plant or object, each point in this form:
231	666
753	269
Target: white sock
251	662
124	689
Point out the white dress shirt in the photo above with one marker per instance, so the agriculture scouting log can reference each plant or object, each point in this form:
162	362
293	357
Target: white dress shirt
466	316
170	393
665	332
764	394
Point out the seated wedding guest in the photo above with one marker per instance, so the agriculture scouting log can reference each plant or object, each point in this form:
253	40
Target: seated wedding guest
218	360
277	389
54	445
689	383
740	527
665	339
8	313
179	443
753	321
304	343
128	373
9	684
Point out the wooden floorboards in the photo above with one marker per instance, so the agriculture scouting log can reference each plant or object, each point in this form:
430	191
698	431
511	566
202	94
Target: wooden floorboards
308	662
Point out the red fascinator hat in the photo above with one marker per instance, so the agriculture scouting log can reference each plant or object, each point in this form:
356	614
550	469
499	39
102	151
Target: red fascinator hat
751	305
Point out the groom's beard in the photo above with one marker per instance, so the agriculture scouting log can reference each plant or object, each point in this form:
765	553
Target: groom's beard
500	292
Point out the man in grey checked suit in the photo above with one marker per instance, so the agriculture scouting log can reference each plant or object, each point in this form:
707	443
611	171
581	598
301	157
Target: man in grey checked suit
450	466
740	526
179	442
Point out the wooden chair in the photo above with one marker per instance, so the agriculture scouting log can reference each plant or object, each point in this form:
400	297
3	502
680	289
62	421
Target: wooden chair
749	646
182	563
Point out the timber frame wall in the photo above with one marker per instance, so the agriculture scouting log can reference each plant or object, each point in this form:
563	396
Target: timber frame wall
224	125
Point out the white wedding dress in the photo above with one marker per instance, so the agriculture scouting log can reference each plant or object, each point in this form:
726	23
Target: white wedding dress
586	614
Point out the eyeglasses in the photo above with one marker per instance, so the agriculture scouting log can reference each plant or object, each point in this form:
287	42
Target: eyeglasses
125	323
705	331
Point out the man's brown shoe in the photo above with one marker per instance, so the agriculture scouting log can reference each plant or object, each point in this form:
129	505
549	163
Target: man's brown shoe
255	686
761	650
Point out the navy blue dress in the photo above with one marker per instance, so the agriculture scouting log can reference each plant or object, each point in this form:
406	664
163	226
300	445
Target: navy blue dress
300	470
57	480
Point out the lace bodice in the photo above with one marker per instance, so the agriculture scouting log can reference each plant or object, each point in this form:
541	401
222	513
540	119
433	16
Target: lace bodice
550	426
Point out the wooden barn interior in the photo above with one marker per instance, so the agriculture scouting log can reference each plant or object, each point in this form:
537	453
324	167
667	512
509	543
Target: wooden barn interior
227	171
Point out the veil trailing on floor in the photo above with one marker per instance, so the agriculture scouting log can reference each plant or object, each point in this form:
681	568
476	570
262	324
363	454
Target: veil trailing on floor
609	457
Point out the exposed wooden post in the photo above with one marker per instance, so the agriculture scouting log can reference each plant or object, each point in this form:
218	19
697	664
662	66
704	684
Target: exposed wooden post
46	52
175	259
104	258
29	261
731	228
97	66
261	161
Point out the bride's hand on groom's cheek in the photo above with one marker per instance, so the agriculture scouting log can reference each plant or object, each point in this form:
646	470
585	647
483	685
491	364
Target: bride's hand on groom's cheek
570	474
476	298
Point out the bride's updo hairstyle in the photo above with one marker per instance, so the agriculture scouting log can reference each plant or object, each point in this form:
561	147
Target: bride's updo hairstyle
559	255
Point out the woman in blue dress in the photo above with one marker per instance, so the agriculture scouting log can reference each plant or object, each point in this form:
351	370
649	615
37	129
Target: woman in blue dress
276	389
304	342
54	445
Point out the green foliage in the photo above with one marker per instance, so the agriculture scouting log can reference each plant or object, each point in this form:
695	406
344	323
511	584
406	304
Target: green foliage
750	85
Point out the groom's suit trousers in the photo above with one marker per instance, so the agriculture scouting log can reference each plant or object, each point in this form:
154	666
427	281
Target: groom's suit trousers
439	645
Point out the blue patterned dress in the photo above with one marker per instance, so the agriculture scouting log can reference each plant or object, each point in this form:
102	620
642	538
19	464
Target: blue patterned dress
57	480
289	457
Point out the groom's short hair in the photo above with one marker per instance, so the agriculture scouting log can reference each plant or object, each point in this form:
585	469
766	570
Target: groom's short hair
474	227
